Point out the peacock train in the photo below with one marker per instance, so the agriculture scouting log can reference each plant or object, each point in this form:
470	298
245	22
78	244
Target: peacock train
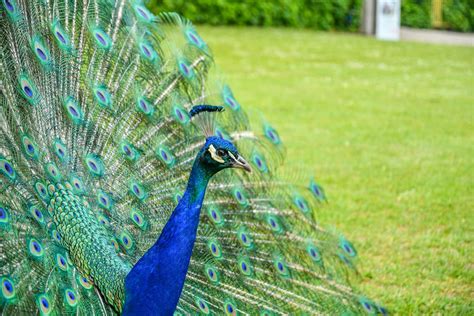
125	183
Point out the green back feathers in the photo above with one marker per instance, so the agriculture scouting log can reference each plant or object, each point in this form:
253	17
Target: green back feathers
94	103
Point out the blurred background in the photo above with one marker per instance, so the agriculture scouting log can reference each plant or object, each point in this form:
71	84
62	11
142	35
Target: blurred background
323	15
385	126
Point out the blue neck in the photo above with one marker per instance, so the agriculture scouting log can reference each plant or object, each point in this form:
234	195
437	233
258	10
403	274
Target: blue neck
154	284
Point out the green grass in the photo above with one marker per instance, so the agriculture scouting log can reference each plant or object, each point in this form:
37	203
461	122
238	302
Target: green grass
387	128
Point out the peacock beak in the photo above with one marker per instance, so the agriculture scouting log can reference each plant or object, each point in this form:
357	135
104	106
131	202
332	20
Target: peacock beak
241	163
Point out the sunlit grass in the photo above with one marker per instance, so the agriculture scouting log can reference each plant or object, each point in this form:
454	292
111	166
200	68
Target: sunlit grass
387	128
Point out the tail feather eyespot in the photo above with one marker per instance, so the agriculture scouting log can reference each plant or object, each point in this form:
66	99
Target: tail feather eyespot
8	288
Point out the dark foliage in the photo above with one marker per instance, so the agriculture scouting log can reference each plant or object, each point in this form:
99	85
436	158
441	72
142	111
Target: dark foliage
316	14
458	15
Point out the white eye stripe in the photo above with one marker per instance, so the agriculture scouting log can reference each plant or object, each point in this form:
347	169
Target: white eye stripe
212	151
232	156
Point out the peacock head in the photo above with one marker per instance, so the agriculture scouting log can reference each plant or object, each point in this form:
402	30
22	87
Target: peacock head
218	154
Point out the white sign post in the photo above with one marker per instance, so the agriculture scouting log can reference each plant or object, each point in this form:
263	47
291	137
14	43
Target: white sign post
387	21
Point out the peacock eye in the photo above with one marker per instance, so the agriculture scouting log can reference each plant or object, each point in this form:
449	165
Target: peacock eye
221	152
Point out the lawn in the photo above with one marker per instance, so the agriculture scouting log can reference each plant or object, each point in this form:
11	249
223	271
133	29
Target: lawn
387	128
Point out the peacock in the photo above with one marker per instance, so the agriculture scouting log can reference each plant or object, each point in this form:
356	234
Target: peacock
117	194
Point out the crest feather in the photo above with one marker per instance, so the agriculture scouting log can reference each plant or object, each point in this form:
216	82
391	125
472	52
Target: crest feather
203	116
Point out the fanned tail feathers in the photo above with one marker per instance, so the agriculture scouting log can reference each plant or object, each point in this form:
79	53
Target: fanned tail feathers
94	99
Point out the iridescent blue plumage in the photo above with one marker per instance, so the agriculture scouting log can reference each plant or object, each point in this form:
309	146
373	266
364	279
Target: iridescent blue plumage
154	284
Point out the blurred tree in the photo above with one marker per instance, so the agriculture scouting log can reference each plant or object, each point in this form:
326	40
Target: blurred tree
456	15
316	14
416	13
459	15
